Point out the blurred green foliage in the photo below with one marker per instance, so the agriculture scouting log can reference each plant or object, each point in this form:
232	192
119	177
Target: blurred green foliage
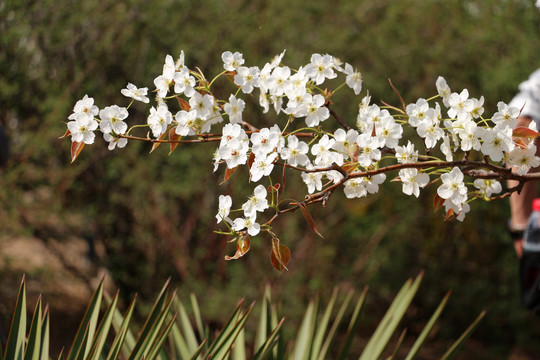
155	214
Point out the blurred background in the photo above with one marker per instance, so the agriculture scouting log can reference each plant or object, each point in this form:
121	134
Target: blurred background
141	218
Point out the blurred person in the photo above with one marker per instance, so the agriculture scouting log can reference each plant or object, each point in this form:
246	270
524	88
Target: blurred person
528	100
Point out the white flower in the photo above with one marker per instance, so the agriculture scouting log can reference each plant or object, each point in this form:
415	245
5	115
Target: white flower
224	208
452	187
295	152
135	93
82	129
187	122
234	152
264	141
413	181
256	202
388	132
523	158
184	82
112	119
159	120
354	79
262	166
162	85
417	112
278	81
321	68
168	68
84	108
460	105
313	180
232	61
115	141
345	141
488	186
321	150
247	78
496	141
506	116
203	104
249	223
234	109
431	132
406	154
355	188
316	111
369	149
444	90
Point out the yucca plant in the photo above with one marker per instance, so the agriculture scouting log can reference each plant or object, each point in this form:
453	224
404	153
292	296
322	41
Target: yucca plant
169	333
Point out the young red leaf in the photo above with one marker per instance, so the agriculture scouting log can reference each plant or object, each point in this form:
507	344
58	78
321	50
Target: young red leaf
183	104
242	247
157	143
228	173
522	131
280	255
173	136
437	202
66	134
309	219
251	159
76	148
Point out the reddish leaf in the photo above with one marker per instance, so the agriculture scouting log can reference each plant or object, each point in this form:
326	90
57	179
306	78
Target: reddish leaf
183	104
309	219
76	148
437	202
173	136
273	188
280	255
523	131
157	143
349	167
242	247
450	215
230	76
228	173
251	160
67	133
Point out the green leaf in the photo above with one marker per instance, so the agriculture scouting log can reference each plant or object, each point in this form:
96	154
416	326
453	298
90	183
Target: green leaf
87	327
197	314
452	352
121	334
34	338
17	333
304	338
322	326
186	327
156	345
103	330
353	325
44	355
228	337
427	329
269	343
239	347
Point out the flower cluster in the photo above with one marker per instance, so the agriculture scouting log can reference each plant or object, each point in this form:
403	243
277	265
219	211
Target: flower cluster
451	128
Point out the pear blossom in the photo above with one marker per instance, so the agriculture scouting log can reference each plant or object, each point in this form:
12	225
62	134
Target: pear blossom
135	93
295	152
406	154
431	132
114	141
413	180
84	108
388	132
112	119
184	82
234	152
488	187
265	141
355	188
256	202
203	104
313	180
354	79
324	157
523	159
249	223
262	166
82	129
496	142
346	141
234	109
187	122
316	111
506	116
279	80
460	105
224	208
321	68
372	183
417	112
232	61
453	187
159	119
444	90
296	86
369	149
247	78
